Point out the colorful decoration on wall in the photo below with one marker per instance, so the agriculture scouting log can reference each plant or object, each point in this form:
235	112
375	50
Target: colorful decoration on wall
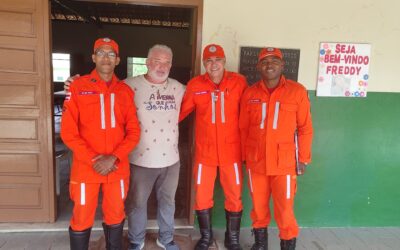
343	69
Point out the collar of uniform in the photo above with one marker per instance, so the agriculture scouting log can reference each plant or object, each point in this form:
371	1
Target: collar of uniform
95	78
282	83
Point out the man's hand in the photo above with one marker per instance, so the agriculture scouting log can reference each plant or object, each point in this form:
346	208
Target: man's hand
104	164
69	81
301	168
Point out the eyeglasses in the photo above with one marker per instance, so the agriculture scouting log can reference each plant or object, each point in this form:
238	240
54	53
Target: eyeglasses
109	54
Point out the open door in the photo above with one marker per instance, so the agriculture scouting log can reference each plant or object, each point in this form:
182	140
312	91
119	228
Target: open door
26	154
27	179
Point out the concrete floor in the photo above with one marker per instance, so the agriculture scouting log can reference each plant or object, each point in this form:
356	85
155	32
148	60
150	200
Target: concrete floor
309	239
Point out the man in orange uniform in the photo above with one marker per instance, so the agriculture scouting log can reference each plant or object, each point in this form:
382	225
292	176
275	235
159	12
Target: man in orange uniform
275	118
216	96
100	126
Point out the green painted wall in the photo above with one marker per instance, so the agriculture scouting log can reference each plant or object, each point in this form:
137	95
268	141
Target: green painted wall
354	178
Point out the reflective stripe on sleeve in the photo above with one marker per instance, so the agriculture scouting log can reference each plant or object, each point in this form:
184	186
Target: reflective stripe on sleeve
122	188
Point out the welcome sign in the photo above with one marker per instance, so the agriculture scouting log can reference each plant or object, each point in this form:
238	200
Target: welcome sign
343	69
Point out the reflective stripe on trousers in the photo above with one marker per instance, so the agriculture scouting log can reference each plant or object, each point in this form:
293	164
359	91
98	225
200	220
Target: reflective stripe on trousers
83	194
199	174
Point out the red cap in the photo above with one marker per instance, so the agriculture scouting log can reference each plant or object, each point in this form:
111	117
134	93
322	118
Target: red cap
213	50
265	52
106	41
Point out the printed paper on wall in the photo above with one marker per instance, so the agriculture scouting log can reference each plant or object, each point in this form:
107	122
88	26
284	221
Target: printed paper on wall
343	69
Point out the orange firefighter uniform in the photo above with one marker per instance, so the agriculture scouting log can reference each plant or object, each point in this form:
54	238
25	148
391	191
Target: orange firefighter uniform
217	137
268	125
99	120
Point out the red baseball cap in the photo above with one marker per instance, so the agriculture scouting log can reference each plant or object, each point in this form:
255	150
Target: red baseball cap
213	50
106	41
265	52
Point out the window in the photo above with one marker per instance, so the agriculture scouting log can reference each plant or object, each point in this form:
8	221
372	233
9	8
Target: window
136	66
61	67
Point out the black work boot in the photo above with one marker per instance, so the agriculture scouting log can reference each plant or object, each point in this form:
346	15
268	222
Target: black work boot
232	232
260	238
113	235
288	244
79	240
204	218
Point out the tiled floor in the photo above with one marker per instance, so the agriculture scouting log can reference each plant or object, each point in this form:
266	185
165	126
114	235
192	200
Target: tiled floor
309	239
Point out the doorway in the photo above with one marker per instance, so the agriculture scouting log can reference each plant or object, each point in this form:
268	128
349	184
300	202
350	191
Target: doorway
74	27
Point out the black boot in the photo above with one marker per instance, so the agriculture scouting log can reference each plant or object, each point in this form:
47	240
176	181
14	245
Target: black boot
288	244
261	239
232	232
79	240
113	235
204	218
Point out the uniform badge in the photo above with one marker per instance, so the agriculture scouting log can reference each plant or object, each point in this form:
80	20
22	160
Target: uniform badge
212	49
201	92
87	92
254	100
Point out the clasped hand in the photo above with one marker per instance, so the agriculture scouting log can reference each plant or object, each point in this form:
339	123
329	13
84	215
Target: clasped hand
104	164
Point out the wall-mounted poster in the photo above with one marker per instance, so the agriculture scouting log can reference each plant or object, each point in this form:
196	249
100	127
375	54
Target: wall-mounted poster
343	69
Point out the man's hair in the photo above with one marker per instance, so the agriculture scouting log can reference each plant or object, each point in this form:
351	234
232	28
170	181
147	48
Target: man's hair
161	47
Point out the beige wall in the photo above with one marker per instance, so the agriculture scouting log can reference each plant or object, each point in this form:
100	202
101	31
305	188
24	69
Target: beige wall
303	25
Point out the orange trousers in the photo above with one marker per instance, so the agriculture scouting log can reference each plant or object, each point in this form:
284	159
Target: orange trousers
230	178
283	189
85	198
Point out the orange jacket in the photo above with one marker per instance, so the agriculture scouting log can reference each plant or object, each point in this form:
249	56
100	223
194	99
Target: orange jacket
99	120
268	123
217	140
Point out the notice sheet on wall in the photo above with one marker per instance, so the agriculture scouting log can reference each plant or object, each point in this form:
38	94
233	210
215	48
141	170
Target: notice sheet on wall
343	69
